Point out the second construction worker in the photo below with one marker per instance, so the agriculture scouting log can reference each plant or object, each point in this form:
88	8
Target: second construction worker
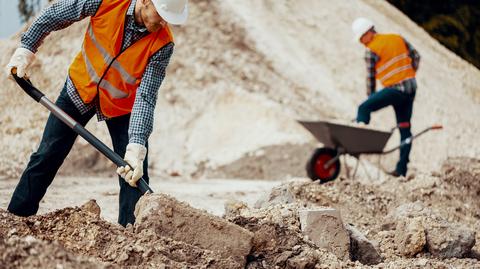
394	62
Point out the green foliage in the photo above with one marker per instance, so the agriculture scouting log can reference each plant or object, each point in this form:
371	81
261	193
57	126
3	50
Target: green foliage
454	23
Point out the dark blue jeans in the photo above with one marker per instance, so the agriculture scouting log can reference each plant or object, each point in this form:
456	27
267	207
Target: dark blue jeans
57	141
403	105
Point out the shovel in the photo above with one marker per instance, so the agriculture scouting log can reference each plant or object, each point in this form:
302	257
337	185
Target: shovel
38	96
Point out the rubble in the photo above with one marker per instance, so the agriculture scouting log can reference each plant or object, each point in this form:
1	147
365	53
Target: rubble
325	228
362	249
419	226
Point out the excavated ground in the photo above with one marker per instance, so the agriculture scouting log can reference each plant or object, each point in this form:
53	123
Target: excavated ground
79	238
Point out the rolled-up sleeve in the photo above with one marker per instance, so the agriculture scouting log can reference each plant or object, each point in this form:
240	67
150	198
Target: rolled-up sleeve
142	117
58	15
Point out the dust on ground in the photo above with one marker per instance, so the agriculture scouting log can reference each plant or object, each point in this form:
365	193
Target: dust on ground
80	238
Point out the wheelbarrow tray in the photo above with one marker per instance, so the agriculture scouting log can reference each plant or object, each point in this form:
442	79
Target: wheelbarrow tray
352	140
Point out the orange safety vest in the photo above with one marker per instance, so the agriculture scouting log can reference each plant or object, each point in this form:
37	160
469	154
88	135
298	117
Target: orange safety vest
395	64
103	68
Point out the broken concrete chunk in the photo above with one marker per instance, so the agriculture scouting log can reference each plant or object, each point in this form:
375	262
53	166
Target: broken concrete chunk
170	218
279	195
234	208
325	228
443	239
447	240
92	207
362	249
410	237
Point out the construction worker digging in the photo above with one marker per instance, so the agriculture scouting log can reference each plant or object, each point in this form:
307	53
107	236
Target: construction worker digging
116	75
394	62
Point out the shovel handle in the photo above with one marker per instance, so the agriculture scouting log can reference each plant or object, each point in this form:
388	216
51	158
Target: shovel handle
38	96
27	86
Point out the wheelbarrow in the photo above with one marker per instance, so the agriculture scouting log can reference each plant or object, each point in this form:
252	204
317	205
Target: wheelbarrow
339	139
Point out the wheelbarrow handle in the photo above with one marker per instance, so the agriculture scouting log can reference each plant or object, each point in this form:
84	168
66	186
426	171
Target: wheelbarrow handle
411	138
38	96
436	127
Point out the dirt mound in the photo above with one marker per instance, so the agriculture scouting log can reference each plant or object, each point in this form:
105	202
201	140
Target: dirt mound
29	252
464	174
271	163
80	230
277	237
278	241
367	206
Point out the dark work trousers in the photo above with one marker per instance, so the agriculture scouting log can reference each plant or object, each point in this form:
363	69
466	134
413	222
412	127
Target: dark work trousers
57	141
403	105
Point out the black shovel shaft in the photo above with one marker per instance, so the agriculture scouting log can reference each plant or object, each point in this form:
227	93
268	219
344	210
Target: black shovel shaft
77	128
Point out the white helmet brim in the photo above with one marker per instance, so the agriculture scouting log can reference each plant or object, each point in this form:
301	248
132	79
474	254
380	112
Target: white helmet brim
172	17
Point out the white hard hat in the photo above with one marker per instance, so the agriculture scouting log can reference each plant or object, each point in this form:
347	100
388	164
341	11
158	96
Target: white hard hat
360	26
172	11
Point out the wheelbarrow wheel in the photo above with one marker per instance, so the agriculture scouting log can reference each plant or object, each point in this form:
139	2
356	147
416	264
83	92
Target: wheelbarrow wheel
316	169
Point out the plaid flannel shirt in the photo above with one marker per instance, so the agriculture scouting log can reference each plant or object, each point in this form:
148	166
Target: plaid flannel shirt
62	14
408	86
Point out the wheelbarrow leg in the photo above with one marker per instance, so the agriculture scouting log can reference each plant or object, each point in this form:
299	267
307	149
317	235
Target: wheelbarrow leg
365	169
347	169
356	168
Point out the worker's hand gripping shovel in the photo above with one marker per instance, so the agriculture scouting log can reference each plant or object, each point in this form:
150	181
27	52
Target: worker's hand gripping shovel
38	96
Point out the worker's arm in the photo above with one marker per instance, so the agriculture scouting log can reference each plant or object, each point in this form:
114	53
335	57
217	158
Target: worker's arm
371	59
59	15
141	119
413	53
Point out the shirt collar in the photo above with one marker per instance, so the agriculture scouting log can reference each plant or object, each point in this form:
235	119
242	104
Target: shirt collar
133	25
131	8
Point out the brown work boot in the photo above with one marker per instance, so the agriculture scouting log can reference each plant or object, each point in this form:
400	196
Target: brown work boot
394	173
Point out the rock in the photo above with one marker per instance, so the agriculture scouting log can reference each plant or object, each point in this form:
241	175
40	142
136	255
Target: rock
362	249
409	210
303	261
279	195
168	217
92	207
446	240
410	237
233	208
325	228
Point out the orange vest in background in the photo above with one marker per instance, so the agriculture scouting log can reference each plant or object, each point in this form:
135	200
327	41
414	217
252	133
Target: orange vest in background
395	64
103	68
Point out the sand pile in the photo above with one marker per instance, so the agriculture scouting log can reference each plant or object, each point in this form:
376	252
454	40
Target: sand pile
241	74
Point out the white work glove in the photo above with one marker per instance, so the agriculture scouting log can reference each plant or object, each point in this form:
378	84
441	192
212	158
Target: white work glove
134	156
21	60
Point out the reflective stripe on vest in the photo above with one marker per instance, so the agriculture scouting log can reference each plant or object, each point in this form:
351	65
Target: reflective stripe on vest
391	62
108	58
394	72
114	92
394	64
